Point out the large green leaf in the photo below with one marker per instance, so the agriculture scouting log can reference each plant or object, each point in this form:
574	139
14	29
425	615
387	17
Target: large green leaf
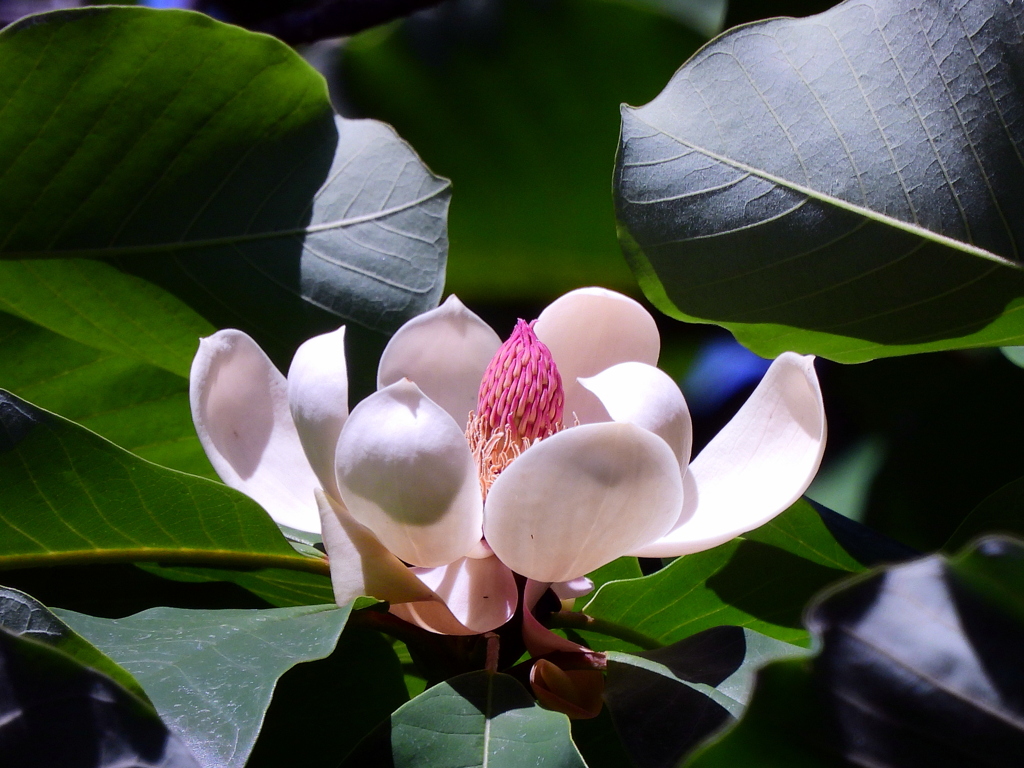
27	617
761	582
55	711
516	102
920	664
475	719
141	407
210	674
846	184
207	159
665	702
68	496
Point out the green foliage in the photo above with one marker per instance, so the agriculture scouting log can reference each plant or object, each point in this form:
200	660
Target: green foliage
761	582
516	103
69	496
845	184
207	158
210	674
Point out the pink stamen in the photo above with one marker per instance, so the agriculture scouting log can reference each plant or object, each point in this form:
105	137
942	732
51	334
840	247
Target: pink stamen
521	401
521	392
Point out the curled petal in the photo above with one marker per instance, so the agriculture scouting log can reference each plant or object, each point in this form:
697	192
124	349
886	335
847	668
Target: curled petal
756	466
445	351
318	398
588	330
240	408
480	595
405	472
648	397
581	498
360	565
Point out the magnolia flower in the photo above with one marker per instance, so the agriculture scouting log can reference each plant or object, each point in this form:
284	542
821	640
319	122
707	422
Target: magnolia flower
547	456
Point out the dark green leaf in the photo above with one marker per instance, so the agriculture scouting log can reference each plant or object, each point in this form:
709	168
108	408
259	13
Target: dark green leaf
345	695
665	702
845	184
920	664
210	674
68	496
24	616
56	712
207	158
141	407
279	587
1002	512
475	719
762	582
516	102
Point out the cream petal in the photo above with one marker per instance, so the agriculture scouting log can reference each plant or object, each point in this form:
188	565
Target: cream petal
360	565
480	594
580	499
588	330
445	351
757	466
405	472
567	590
240	408
318	398
648	397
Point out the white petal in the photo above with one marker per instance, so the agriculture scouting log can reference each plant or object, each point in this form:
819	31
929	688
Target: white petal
567	590
648	397
580	499
240	408
480	594
318	398
405	472
756	466
588	330
360	565
445	351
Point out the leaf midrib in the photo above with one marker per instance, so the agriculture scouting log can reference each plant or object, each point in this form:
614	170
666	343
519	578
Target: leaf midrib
914	229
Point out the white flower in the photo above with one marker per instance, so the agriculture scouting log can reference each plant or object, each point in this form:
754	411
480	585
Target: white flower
608	476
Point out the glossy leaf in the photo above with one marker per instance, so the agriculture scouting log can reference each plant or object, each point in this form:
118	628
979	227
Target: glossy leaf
919	665
845	184
665	702
515	102
478	718
207	159
761	582
68	496
210	674
27	617
141	407
1002	512
56	711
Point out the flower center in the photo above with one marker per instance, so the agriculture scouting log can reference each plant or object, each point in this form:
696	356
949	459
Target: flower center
521	401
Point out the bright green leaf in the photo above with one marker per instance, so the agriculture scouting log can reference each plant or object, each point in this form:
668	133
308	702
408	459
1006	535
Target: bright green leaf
846	184
67	496
140	407
210	674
